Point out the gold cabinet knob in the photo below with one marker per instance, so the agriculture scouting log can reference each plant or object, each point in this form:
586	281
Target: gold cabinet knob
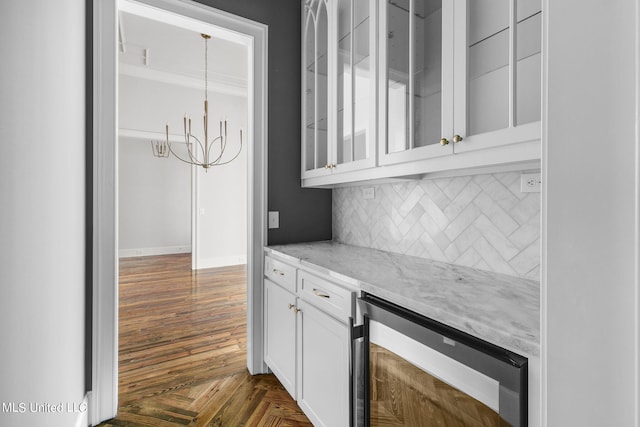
457	138
444	141
291	306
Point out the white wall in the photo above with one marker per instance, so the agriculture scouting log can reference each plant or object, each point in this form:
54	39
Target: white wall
154	201
42	210
222	194
155	194
590	328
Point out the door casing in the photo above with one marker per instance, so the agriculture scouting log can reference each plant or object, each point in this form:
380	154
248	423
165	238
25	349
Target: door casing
103	402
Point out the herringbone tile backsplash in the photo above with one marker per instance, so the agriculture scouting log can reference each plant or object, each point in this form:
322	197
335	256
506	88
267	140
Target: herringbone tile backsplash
480	221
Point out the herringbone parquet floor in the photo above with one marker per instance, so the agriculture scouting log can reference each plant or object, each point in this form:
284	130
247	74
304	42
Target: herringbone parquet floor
182	350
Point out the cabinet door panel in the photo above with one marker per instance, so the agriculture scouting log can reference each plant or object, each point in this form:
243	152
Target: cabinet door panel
487	18
497	73
344	84
488	78
280	334
397	75
529	70
427	73
315	90
363	83
322	76
416	87
324	368
527	8
355	85
309	93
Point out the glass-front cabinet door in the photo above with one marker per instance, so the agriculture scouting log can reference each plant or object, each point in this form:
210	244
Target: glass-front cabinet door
355	84
315	87
497	72
339	86
416	83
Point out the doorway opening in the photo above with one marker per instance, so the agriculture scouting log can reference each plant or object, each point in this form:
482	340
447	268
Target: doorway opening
111	134
165	205
182	228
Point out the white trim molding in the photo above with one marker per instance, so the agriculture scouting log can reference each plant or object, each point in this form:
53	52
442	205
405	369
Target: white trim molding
160	250
224	261
104	401
637	219
220	83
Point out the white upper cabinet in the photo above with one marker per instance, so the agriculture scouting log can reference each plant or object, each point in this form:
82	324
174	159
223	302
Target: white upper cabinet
315	70
339	86
497	72
416	85
396	88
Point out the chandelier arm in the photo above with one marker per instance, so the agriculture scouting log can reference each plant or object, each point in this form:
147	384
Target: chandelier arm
221	150
181	159
234	157
188	143
193	158
223	146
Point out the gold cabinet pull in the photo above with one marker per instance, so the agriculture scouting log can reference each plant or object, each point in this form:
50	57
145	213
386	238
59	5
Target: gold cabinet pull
444	141
291	306
320	294
278	272
457	138
296	310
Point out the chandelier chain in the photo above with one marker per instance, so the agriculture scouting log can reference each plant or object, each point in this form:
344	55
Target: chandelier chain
206	66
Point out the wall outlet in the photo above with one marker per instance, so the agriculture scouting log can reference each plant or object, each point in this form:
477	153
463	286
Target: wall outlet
530	183
369	193
274	219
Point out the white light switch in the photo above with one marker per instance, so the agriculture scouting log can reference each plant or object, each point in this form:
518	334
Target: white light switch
274	219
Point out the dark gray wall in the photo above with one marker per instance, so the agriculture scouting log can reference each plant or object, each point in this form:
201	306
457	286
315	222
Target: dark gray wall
305	214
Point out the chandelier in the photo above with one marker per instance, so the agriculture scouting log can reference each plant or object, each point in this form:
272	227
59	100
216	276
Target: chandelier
199	152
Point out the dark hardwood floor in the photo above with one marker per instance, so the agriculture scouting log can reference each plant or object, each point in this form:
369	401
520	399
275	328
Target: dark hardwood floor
182	350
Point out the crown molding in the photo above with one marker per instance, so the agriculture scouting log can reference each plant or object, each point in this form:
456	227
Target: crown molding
220	83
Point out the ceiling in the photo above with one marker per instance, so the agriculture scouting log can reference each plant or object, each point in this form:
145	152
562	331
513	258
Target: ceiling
156	50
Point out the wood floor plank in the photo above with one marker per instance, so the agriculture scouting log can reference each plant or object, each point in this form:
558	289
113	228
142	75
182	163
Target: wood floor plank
182	350
404	395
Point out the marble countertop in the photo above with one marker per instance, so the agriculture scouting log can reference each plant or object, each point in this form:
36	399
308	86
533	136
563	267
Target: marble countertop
501	309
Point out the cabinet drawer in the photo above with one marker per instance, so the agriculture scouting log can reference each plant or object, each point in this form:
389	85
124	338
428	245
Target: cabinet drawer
281	273
327	296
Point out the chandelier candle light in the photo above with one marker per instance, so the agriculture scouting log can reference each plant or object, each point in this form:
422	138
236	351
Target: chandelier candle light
202	155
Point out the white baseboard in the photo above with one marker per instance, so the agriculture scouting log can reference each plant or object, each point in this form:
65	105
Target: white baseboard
164	250
225	261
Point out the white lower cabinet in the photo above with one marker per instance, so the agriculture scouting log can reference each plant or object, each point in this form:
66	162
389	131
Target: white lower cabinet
280	334
307	342
323	373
